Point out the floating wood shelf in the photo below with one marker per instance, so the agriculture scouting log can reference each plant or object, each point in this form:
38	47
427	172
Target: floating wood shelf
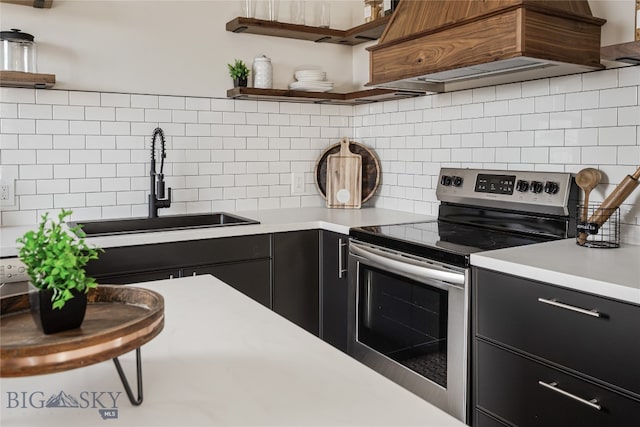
360	34
351	98
623	52
40	4
29	80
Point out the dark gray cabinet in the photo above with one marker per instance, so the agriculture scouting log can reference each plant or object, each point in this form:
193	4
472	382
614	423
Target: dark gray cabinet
544	355
334	286
296	278
242	262
252	278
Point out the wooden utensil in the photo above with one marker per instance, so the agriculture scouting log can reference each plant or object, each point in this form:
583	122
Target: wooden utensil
344	178
587	179
613	201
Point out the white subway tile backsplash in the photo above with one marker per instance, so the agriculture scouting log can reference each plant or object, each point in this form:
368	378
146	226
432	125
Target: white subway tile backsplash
35	111
78	127
618	97
115	100
48	96
157	115
74	171
68	112
599	155
115	128
60	127
45	157
171	102
238	155
535	88
86	99
36	172
623	135
17	95
19	126
600	80
130	114
601	117
35	142
42	201
18	157
629	76
144	101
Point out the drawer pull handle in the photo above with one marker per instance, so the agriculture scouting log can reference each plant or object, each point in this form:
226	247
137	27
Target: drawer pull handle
554	386
555	303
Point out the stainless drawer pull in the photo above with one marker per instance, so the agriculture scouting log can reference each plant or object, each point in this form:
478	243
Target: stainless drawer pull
555	303
554	386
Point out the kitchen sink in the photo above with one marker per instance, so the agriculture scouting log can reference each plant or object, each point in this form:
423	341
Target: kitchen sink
163	223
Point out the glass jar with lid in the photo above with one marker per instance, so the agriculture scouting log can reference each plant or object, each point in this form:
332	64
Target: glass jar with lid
18	51
372	10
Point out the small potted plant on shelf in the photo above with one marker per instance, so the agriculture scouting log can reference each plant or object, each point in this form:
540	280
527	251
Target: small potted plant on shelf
239	73
56	258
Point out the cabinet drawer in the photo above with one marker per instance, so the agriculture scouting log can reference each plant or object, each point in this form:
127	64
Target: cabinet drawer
127	259
509	387
508	310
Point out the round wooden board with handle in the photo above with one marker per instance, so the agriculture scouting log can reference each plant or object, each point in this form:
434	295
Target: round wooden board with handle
370	169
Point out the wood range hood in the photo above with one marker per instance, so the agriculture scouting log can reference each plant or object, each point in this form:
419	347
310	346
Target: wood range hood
444	45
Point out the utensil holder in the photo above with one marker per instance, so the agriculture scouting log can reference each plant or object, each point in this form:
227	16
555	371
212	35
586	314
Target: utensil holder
591	235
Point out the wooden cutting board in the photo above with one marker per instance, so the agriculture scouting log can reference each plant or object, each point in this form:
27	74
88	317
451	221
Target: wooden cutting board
344	178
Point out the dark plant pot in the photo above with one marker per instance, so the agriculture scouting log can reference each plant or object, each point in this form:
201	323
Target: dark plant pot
52	320
240	82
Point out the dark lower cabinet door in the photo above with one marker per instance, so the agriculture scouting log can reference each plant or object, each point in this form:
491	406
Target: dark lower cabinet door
125	279
252	278
528	393
296	278
334	289
484	420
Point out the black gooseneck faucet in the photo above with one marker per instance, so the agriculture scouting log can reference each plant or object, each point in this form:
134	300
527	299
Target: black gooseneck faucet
156	196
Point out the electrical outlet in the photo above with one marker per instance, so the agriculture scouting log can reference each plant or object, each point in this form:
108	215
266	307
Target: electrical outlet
4	192
297	183
7	192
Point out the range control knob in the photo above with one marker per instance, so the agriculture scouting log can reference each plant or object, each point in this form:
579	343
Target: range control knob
457	181
536	187
522	186
551	187
445	180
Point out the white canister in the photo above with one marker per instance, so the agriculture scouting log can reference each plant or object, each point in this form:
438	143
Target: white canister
262	72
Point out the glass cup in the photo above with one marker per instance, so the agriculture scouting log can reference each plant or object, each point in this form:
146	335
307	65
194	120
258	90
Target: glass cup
323	14
272	9
297	11
249	8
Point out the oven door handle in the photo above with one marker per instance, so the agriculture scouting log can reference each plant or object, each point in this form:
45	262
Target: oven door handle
402	264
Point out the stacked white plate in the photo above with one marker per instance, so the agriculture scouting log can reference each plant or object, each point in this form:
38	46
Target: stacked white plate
311	80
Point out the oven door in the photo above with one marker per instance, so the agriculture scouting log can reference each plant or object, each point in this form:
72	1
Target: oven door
408	321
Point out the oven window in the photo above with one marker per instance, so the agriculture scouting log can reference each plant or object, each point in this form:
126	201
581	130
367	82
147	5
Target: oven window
404	320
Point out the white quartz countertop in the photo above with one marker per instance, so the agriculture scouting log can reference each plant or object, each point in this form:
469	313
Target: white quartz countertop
271	221
222	360
613	273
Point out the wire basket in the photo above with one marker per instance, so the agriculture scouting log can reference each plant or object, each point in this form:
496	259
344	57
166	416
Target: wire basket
592	235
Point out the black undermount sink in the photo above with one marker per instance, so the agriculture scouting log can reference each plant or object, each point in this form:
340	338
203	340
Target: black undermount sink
163	223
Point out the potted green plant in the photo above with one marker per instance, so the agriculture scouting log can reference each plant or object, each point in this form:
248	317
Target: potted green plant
239	73
55	260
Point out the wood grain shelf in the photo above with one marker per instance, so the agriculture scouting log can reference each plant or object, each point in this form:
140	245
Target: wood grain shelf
351	98
28	80
623	52
40	4
356	35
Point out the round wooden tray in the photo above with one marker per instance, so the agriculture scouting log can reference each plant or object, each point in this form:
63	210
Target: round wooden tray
370	169
118	319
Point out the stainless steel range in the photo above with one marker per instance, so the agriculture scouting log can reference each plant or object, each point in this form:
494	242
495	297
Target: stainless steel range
410	283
